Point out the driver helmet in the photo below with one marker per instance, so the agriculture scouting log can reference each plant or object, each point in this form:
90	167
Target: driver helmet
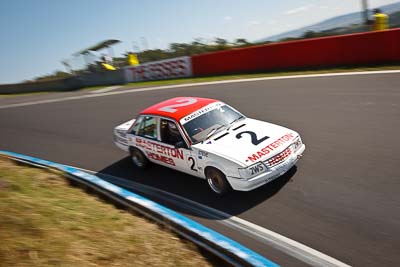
172	128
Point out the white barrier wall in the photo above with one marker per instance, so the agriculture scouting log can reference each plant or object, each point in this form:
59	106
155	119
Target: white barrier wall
159	70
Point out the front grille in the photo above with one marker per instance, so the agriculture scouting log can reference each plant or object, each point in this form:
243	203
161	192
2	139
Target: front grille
281	157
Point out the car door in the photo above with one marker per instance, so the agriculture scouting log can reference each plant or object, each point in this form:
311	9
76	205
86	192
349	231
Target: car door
144	135
171	137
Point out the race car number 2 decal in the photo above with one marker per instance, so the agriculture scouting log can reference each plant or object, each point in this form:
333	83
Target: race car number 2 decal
254	140
192	167
180	103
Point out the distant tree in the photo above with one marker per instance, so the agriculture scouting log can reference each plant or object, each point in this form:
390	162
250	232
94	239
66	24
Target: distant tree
222	44
220	41
288	39
198	47
152	55
394	20
180	49
265	42
55	76
312	34
309	34
241	42
199	42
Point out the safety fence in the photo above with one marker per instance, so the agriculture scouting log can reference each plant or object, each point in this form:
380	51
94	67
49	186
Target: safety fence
217	244
344	50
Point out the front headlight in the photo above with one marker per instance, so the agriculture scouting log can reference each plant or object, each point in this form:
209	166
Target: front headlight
253	170
296	144
121	133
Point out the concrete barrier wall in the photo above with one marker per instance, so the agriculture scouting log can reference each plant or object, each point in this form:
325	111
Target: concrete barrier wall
344	50
67	84
102	78
31	87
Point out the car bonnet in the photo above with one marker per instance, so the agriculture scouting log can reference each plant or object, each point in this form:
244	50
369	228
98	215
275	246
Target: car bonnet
249	141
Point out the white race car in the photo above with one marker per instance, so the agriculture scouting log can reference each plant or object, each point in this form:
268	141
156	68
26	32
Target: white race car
211	140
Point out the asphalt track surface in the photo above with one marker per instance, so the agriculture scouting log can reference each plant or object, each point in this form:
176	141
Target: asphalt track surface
342	199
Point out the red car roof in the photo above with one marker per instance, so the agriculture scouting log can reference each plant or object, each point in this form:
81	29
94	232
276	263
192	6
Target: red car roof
178	107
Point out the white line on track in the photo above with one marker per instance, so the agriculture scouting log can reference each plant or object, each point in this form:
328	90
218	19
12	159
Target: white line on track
268	237
106	89
196	84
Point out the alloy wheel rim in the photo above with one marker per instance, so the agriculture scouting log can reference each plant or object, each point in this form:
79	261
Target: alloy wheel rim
213	181
137	160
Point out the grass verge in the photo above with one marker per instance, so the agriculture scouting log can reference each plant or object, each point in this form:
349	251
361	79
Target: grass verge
46	222
231	77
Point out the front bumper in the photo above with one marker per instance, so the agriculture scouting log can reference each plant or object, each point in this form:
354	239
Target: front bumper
270	175
121	143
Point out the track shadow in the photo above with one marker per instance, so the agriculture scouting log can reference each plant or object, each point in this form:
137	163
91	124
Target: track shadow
196	189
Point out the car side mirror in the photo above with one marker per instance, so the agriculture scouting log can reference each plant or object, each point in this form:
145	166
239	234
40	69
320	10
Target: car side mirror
180	144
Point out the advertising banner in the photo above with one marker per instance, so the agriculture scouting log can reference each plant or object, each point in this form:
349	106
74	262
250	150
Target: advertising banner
160	70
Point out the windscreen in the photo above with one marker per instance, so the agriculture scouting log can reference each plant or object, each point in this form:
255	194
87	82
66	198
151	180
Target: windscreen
207	124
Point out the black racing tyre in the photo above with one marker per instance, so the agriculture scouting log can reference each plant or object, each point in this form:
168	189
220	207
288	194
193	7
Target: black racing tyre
217	181
138	158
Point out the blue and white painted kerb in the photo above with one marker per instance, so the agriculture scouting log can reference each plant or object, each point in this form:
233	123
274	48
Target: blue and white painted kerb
247	255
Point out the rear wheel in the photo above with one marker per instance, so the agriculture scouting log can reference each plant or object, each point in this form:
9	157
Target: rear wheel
138	158
217	181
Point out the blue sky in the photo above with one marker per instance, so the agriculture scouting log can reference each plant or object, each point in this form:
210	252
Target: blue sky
35	35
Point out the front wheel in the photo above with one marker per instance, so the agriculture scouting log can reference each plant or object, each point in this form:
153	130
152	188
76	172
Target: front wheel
217	181
138	158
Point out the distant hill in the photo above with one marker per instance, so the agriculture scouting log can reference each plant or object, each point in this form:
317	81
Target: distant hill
342	21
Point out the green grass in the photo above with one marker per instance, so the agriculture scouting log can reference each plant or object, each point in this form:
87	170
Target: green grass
92	88
25	94
46	222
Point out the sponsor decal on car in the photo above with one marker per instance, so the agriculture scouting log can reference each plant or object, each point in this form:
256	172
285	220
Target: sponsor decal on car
161	158
160	149
201	112
202	154
271	147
